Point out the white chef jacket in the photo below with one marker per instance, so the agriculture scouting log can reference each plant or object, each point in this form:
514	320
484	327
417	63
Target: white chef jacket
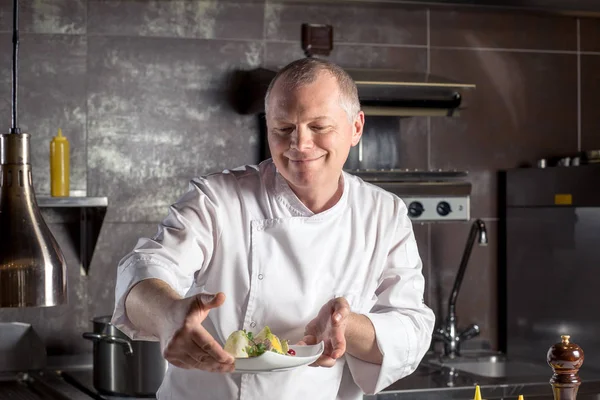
245	233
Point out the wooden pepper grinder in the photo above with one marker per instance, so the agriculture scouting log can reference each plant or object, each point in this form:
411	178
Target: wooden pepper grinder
565	358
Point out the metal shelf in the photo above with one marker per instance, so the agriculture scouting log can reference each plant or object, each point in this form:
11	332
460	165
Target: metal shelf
48	201
86	231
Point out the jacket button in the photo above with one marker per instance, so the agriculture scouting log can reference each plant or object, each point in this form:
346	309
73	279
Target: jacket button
260	276
252	324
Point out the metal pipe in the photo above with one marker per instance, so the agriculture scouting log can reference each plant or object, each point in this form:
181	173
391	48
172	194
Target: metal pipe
477	230
449	333
14	127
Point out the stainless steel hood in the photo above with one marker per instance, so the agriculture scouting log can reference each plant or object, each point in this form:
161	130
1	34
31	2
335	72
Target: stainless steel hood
398	93
383	92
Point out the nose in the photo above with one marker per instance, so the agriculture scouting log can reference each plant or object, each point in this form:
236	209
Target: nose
302	138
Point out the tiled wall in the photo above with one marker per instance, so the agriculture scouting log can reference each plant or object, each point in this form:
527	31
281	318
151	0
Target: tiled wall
139	89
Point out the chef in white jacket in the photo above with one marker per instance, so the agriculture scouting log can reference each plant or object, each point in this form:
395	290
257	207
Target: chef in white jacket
294	243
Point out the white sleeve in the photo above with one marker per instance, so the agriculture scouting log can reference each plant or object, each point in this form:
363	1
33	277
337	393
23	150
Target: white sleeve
403	323
182	246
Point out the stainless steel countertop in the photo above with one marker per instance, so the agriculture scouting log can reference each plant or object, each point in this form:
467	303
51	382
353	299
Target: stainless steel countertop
430	382
426	383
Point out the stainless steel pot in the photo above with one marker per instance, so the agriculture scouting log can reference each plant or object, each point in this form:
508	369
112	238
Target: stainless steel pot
123	366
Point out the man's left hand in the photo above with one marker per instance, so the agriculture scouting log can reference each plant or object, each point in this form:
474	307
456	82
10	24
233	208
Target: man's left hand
330	327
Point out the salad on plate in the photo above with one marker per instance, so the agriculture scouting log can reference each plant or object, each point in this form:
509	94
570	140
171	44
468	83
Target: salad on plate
243	344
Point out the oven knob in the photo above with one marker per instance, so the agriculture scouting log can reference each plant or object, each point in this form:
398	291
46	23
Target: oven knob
415	209
443	208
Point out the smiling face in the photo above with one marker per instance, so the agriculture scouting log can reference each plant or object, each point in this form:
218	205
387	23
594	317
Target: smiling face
310	134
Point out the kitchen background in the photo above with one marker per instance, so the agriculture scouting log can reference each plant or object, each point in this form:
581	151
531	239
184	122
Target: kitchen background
140	90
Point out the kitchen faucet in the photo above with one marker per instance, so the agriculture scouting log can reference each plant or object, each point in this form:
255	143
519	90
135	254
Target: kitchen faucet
448	334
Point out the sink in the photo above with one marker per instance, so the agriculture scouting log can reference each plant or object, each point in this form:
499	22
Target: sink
494	366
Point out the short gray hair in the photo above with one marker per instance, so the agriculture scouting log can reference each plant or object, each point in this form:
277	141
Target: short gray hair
305	70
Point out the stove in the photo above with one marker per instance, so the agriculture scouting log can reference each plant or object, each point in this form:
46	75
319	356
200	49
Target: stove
431	196
38	385
54	385
83	380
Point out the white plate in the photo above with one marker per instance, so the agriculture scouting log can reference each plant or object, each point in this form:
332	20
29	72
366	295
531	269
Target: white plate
273	362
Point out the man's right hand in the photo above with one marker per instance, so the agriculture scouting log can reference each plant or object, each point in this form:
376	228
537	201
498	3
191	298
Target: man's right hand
184	341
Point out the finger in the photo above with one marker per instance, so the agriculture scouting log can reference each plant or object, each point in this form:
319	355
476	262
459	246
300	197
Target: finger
324	361
338	341
310	328
301	343
177	364
340	312
215	350
338	351
208	344
309	339
210	301
201	357
225	368
206	362
213	365
184	361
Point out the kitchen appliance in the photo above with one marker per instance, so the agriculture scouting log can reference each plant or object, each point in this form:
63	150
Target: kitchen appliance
382	92
124	367
431	196
32	266
549	247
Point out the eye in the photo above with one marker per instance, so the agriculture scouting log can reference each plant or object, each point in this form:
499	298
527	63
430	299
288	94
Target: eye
283	131
320	128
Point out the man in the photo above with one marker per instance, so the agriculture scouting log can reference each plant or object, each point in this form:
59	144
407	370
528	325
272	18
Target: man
293	243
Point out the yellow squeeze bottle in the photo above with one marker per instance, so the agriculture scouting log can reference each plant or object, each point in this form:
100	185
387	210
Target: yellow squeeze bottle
59	166
477	393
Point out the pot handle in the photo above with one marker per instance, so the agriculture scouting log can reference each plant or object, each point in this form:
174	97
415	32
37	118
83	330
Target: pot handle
96	337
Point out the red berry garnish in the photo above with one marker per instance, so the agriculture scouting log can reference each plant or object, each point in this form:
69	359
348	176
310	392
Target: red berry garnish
291	352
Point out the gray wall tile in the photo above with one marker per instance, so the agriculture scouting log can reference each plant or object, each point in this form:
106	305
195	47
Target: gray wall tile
531	99
205	19
472	27
590	102
590	34
116	240
356	23
47	16
51	95
354	56
158	116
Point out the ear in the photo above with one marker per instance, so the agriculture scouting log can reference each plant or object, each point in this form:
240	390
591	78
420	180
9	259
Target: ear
357	128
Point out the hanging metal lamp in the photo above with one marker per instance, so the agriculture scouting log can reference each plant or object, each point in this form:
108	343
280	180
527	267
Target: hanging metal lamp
32	266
